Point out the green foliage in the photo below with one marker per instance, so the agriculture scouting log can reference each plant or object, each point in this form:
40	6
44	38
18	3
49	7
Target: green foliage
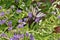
43	30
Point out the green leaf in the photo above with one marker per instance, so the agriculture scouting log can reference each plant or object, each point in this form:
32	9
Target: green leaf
28	2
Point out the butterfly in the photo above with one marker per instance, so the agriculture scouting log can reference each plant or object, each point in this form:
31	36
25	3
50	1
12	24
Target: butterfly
35	14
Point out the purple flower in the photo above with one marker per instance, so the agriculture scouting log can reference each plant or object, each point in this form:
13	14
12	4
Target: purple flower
27	34
10	28
20	26
19	21
13	38
58	16
17	35
2	14
9	23
25	19
31	37
37	19
3	35
22	36
2	21
18	11
30	15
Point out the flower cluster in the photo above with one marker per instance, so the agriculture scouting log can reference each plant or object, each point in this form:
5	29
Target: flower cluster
9	23
20	21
